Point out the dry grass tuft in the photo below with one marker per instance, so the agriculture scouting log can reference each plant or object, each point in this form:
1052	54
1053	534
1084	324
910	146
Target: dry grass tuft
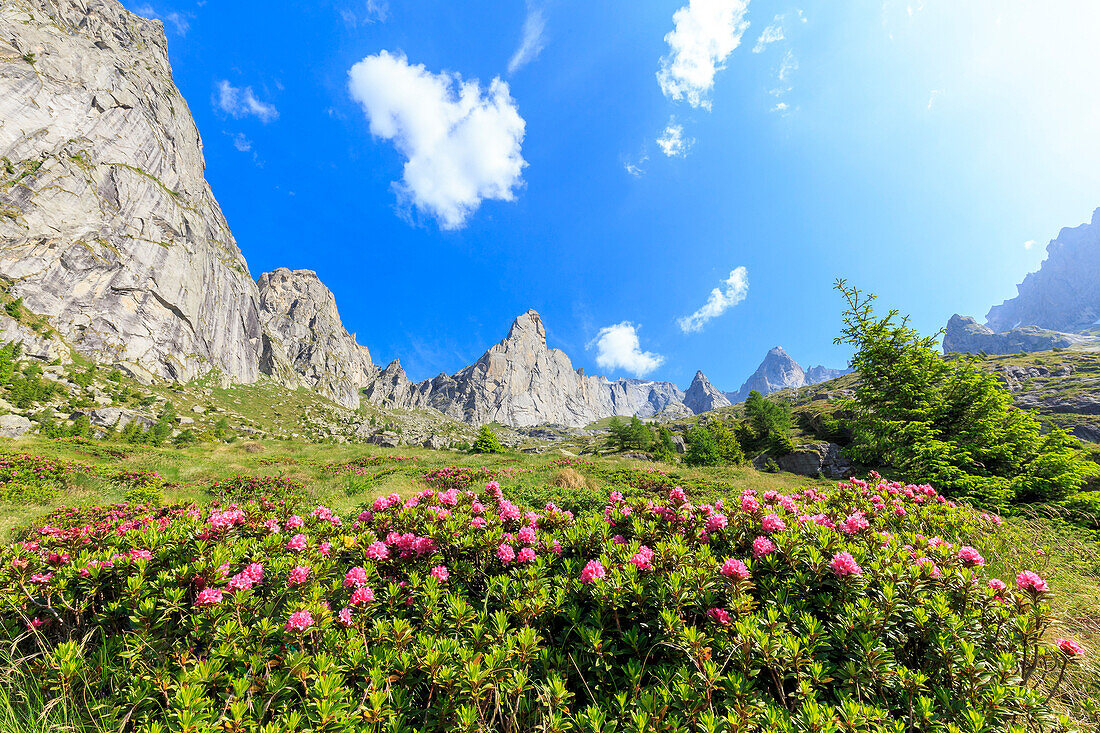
568	478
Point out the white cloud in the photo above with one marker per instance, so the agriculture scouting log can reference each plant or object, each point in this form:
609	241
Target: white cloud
672	141
932	97
176	20
374	11
634	167
736	288
618	347
461	145
239	102
788	67
706	33
771	34
532	42
781	107
242	143
1030	243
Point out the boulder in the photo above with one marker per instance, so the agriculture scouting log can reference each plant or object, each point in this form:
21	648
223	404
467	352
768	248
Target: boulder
679	444
386	439
14	426
435	442
120	417
816	459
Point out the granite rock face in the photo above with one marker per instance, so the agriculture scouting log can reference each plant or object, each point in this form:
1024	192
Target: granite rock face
305	340
702	396
1062	295
965	335
107	224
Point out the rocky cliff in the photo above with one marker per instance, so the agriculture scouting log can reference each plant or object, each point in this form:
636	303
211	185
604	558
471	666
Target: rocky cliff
965	335
107	225
305	341
1063	294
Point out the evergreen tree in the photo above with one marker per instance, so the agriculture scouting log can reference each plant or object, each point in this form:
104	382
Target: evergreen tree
769	425
948	423
487	441
729	449
663	448
637	435
702	449
618	432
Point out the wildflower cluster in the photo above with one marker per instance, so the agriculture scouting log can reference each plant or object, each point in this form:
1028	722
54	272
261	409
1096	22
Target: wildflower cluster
459	610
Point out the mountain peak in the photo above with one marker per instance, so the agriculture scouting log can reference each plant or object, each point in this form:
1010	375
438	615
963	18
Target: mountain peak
702	396
528	328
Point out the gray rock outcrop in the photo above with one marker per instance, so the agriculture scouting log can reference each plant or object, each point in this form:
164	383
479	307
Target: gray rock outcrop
305	340
14	426
967	336
1062	295
702	396
107	225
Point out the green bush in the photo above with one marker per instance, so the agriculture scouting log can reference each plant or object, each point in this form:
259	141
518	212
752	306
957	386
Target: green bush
487	441
702	448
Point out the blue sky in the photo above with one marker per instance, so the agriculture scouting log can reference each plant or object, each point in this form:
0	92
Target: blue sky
611	164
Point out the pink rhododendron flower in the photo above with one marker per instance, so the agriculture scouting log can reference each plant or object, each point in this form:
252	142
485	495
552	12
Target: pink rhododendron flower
843	565
362	596
254	572
35	623
356	577
526	555
326	548
619	539
297	543
970	556
1069	647
378	551
762	546
294	522
209	597
41	578
240	581
855	522
527	536
734	568
719	616
344	616
772	523
750	504
140	555
716	521
592	572
272	526
1028	580
677	496
299	621
642	559
440	573
298	575
506	553
478	523
997	585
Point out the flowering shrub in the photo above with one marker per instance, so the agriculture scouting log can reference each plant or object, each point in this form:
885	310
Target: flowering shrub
457	611
460	477
256	488
24	477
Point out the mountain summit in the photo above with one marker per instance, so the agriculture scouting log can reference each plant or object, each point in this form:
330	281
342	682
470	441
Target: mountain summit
779	371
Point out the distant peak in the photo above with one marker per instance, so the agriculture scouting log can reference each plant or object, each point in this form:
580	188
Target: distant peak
778	351
528	327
